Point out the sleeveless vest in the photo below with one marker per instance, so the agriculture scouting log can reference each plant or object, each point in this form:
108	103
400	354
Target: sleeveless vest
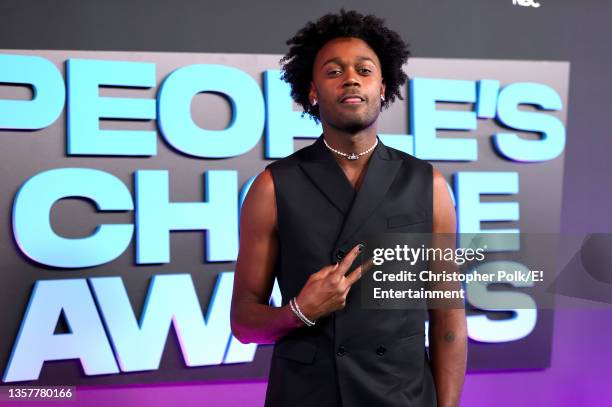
354	356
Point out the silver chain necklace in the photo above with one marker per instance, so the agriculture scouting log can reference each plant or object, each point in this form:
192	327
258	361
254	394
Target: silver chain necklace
351	156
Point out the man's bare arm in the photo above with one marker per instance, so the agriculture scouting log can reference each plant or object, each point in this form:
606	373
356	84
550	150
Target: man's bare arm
252	319
447	327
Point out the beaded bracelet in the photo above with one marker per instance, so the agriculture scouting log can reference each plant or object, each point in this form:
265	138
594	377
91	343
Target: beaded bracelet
296	310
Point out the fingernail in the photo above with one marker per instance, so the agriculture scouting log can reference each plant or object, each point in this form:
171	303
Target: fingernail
361	246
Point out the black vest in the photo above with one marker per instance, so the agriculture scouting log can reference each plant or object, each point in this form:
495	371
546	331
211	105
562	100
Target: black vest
355	356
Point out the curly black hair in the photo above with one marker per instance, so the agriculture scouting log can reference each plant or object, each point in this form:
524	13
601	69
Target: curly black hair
391	50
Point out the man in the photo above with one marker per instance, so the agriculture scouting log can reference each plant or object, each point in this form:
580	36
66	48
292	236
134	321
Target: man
302	221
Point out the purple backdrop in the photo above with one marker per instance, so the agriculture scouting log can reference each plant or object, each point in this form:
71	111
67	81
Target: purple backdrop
580	376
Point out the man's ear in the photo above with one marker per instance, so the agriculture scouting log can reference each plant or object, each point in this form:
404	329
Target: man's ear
383	89
312	93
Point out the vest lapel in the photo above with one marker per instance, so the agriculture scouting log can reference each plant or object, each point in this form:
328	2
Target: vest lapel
327	175
380	173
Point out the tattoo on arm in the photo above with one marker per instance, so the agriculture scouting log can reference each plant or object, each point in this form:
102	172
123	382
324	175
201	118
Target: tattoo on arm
449	337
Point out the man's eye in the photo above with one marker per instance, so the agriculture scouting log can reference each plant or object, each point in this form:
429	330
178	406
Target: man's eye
365	70
334	72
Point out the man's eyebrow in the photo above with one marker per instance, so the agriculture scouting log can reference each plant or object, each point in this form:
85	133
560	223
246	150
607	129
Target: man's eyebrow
338	61
334	60
366	59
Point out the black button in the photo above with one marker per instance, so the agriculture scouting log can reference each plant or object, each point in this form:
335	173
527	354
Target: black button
341	351
340	254
381	350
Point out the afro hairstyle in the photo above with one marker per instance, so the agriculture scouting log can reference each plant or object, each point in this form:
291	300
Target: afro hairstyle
297	64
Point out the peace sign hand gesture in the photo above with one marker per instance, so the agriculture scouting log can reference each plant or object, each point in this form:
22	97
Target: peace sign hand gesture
326	290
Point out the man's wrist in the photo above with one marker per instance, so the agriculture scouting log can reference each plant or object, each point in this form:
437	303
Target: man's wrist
296	322
298	312
306	309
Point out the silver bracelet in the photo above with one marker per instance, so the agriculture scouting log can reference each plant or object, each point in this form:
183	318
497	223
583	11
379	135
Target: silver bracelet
296	310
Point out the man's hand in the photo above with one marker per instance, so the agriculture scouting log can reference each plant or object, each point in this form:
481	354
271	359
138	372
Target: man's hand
326	290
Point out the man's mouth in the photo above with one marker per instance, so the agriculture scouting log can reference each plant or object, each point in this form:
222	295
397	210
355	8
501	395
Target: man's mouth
351	99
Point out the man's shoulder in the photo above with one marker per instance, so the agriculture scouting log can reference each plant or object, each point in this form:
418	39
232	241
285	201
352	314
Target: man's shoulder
291	160
409	160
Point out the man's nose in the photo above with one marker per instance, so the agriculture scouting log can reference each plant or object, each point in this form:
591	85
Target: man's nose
351	79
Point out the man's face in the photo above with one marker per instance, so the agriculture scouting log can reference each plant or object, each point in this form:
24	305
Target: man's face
347	84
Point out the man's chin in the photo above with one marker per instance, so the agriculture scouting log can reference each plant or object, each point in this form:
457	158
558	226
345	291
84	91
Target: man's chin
352	125
355	126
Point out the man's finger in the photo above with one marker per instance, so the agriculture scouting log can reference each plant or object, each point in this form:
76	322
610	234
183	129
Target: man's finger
359	271
346	262
330	269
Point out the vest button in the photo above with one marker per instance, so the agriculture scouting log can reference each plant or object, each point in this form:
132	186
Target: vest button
381	350
341	351
340	254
